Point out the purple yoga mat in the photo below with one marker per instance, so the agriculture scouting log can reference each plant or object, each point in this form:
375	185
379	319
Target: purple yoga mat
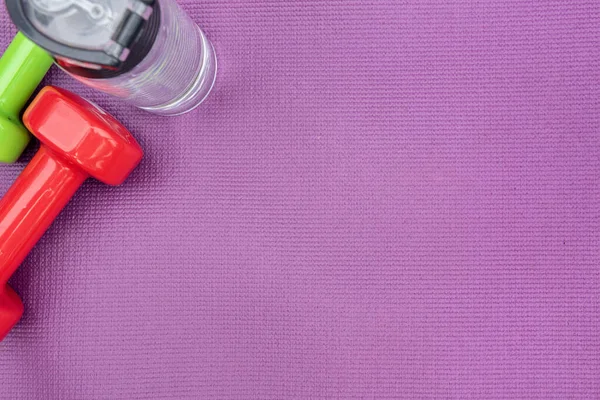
381	199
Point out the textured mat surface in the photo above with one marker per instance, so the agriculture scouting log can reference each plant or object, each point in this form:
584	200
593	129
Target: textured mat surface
381	199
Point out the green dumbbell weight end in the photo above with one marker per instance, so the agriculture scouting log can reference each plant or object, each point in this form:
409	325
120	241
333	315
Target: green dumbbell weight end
22	68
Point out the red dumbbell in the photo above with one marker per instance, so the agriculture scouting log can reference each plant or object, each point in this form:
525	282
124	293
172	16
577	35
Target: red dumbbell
78	140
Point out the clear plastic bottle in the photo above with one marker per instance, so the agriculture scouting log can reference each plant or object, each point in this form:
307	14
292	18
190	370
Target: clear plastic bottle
177	74
147	52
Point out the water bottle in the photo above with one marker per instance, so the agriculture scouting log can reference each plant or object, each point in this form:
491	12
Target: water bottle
147	52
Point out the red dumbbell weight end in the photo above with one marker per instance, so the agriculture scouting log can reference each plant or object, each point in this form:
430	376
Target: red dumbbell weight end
78	141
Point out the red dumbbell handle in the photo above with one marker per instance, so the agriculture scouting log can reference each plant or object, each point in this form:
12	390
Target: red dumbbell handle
31	204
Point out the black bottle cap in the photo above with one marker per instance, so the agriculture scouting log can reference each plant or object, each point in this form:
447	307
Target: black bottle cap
90	38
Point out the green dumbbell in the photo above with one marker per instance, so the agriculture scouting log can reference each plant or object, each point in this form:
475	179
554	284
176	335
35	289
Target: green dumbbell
22	68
